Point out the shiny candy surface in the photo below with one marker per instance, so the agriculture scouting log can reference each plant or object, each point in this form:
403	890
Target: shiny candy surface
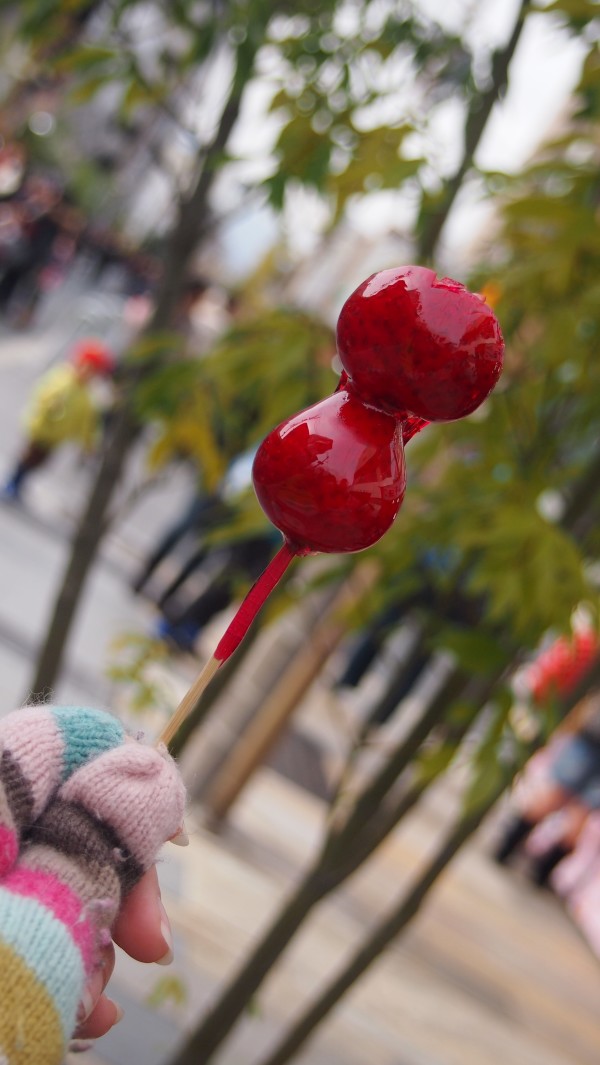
413	343
332	478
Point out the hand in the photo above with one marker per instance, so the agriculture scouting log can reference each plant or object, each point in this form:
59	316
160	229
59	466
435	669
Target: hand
104	803
142	930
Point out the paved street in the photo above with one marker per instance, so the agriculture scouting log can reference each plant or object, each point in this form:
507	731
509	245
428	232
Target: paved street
491	971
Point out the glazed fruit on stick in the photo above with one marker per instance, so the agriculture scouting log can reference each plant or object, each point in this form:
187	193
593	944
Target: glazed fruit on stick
415	349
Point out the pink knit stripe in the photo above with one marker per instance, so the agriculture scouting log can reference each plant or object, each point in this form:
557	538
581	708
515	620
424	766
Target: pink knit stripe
137	791
61	901
9	848
35	740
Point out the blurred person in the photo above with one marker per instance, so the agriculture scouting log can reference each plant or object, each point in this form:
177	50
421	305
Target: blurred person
572	793
551	802
365	649
237	563
143	272
576	880
13	245
34	206
70	223
105	252
62	410
565	770
203	512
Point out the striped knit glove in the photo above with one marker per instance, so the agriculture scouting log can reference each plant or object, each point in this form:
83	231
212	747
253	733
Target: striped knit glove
84	809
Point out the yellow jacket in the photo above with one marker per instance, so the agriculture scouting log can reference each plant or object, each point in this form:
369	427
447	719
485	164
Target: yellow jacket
61	409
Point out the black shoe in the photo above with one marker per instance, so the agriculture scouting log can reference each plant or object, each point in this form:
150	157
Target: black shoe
11	493
515	832
542	867
181	636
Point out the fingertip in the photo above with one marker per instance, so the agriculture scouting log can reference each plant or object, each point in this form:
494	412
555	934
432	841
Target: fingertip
103	1017
142	927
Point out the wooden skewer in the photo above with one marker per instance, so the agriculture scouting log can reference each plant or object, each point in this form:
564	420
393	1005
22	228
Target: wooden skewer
231	638
189	700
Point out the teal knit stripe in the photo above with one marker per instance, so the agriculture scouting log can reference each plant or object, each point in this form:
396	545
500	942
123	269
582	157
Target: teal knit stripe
47	948
86	734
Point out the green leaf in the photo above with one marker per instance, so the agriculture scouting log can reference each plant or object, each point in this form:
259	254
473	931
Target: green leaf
487	783
303	153
579	11
433	761
167	989
376	163
86	90
136	94
477	651
86	56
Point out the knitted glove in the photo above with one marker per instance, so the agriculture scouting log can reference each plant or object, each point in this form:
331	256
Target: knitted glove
84	809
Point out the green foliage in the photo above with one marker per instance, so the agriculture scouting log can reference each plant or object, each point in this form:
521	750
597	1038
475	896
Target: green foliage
479	490
136	666
167	989
331	76
477	651
578	14
332	84
376	163
88	57
218	406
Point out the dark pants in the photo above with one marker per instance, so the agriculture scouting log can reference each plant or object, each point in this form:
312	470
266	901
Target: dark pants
368	645
34	456
244	560
202	513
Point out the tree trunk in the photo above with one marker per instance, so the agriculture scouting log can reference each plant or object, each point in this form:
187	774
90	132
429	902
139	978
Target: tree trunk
368	801
480	110
83	552
378	940
330	868
222	1017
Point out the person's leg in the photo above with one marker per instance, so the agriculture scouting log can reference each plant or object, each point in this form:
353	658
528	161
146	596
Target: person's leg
183	629
541	869
191	519
367	646
165	545
190	566
515	831
407	675
34	456
573	816
362	655
9	283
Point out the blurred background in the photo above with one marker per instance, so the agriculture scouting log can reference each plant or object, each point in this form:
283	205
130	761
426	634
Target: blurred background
394	782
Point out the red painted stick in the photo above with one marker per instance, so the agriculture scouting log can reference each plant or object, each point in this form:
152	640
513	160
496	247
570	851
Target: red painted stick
232	637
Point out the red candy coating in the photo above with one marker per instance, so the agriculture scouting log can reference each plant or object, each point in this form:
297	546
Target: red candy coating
411	342
332	478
